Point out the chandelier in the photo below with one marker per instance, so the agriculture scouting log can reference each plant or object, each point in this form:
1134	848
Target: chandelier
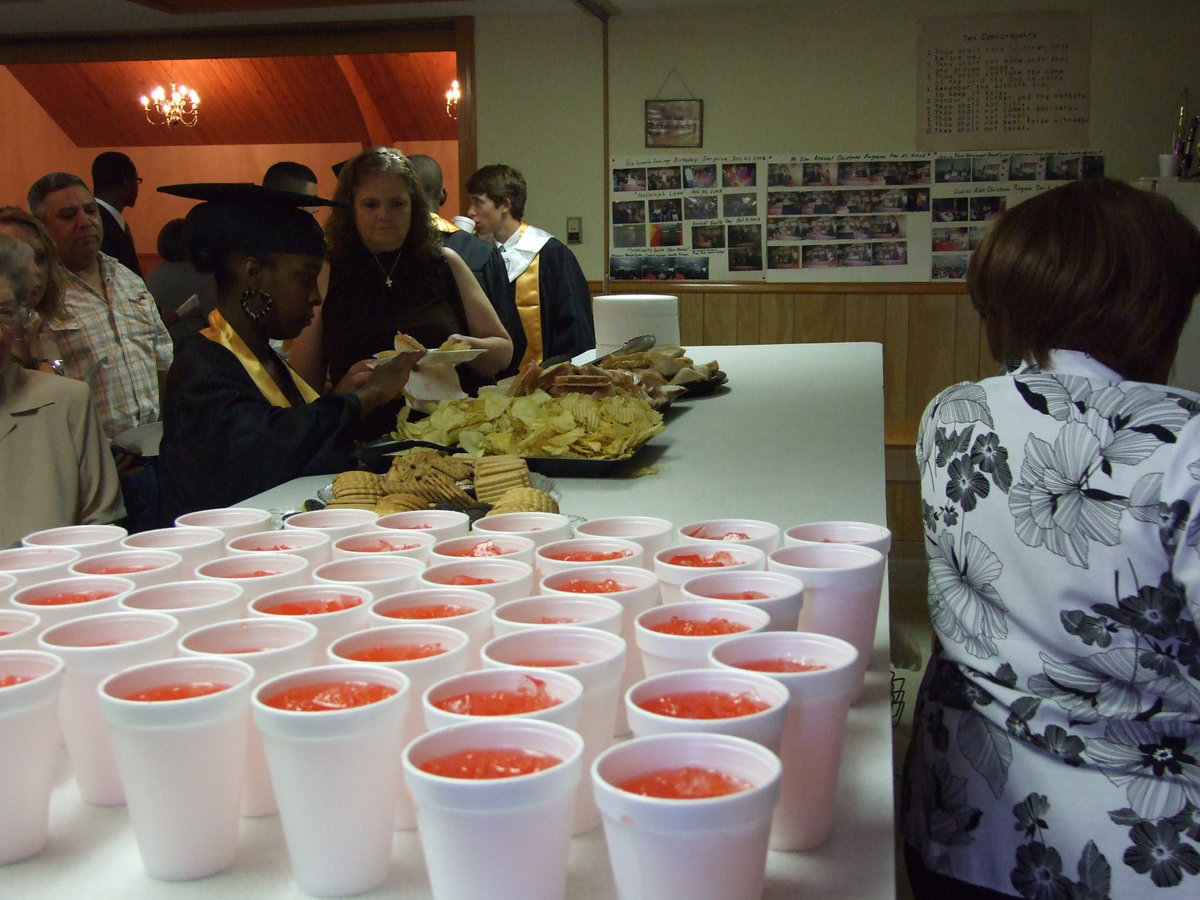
452	97
178	106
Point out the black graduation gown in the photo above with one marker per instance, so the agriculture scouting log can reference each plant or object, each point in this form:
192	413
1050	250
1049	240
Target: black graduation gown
223	441
484	260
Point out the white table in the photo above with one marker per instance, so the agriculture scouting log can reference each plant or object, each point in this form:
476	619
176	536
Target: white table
797	435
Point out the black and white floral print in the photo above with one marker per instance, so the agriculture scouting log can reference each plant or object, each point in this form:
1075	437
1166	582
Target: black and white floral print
1056	748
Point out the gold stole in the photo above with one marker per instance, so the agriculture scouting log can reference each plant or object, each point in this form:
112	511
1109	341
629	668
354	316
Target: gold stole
220	332
529	308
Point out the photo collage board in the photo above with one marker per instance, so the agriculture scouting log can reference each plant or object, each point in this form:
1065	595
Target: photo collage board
819	217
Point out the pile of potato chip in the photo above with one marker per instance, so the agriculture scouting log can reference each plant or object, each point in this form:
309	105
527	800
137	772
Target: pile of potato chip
574	425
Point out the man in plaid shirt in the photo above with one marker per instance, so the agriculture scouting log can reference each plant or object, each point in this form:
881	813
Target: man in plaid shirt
110	333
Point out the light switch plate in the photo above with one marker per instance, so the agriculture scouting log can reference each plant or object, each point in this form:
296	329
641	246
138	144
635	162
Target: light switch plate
574	229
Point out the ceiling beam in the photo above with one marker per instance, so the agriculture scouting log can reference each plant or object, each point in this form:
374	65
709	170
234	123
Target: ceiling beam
377	133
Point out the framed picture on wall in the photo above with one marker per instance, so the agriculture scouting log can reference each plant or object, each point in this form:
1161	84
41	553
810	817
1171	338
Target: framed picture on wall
674	123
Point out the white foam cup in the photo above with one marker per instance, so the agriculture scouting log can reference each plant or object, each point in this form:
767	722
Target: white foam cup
7	585
194	545
716	556
414	544
271	646
191	603
465	223
87	539
565	691
337	523
503	578
640	591
810	747
19	629
33	565
335	609
660	704
336	778
501	838
373	644
712	848
313	545
597	659
257	573
92	648
539	527
440	524
381	575
69	598
842	588
232	521
182	762
550	610
483	546
877	537
667	652
28	735
577	552
464	609
755	532
142	567
653	534
779	595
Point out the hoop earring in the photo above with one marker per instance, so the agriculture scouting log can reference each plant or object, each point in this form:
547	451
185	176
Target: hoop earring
256	316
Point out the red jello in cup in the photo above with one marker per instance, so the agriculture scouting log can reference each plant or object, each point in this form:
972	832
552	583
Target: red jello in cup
697	627
180	690
713	534
782	664
463	580
489	763
112	570
313	606
703	560
530	697
705	704
382	545
740	595
395	652
428	611
65	598
257	573
10	680
324	696
480	549
588	586
590	555
546	663
684	783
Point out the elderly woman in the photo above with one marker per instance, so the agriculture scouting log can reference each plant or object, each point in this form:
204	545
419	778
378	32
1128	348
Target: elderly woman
388	272
45	301
1056	746
237	419
54	462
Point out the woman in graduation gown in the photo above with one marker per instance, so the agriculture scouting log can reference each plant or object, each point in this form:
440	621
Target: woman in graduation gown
237	419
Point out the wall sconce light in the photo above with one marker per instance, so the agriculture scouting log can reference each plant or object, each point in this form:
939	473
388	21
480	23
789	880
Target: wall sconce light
452	97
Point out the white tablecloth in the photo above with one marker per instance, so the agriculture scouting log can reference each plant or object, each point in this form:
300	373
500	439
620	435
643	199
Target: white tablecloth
796	436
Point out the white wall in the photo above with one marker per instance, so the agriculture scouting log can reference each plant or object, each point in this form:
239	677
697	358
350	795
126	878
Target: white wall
796	76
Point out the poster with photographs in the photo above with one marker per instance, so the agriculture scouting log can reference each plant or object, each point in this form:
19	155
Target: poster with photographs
819	218
972	189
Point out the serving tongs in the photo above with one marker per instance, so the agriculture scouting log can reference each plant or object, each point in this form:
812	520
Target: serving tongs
633	345
376	456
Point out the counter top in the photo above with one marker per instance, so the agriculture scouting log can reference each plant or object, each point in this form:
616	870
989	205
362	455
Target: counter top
797	435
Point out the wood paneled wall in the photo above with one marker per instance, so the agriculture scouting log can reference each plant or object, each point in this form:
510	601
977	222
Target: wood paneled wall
931	337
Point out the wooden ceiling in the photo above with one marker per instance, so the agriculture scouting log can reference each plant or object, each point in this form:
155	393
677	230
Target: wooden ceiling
211	6
367	98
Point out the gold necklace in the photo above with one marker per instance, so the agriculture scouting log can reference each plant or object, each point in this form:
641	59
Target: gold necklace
387	273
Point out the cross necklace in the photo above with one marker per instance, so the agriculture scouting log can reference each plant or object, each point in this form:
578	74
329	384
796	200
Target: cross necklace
387	273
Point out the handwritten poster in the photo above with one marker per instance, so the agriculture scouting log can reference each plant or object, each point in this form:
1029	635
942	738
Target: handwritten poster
1004	82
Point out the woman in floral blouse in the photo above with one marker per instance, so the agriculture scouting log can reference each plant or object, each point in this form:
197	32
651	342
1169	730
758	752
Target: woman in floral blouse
1056	746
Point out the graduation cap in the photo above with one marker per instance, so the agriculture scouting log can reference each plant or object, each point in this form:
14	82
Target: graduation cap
248	218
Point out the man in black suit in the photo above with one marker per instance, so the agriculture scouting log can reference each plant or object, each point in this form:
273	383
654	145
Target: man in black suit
115	185
482	257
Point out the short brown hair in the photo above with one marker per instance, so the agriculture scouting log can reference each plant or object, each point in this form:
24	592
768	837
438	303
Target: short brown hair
1096	266
499	183
51	301
341	234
